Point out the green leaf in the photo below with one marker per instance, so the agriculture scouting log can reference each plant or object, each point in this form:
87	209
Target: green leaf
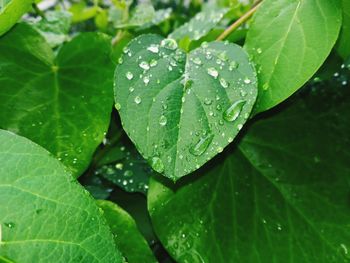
127	236
282	195
181	110
289	40
54	27
11	11
131	172
45	215
343	45
200	24
62	103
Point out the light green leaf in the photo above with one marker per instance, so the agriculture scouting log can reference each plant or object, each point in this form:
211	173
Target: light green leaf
62	103
11	11
127	236
343	45
54	27
200	25
282	195
181	110
45	215
289	40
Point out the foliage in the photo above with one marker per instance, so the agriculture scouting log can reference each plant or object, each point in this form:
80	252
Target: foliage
214	151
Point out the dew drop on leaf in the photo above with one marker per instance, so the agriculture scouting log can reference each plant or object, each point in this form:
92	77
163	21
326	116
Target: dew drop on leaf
137	100
213	72
157	164
162	120
202	145
117	106
223	83
129	75
169	43
144	65
232	112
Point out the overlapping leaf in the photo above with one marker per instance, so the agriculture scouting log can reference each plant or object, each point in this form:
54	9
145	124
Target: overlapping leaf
62	103
45	215
181	110
130	241
282	195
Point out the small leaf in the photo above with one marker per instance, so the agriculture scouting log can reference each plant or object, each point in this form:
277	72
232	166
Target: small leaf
62	103
282	195
200	24
11	11
127	236
289	40
45	215
343	45
169	102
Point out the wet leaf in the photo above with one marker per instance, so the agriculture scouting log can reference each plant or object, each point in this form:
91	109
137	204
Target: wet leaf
62	103
181	110
289	40
45	215
127	236
280	195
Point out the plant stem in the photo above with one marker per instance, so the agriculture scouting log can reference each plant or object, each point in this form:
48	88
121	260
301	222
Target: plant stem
38	11
239	22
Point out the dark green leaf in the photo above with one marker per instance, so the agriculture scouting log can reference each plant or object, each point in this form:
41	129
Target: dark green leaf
282	195
289	40
343	45
180	111
62	103
131	243
45	215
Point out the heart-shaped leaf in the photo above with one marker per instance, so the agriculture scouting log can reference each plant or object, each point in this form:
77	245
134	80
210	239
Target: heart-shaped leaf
181	110
45	215
62	103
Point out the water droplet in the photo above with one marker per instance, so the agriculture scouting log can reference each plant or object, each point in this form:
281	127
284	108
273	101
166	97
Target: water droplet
162	120
137	100
259	50
223	83
232	112
157	164
197	61
119	166
129	75
9	225
233	65
247	81
202	145
153	63
144	65
169	43
146	80
208	101
153	48
128	173
117	106
266	86
213	72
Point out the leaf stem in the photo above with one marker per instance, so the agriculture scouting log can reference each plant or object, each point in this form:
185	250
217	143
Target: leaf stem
38	11
239	22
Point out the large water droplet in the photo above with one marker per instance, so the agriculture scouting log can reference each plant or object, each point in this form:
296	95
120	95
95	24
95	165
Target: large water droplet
232	112
202	145
157	164
153	48
144	65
